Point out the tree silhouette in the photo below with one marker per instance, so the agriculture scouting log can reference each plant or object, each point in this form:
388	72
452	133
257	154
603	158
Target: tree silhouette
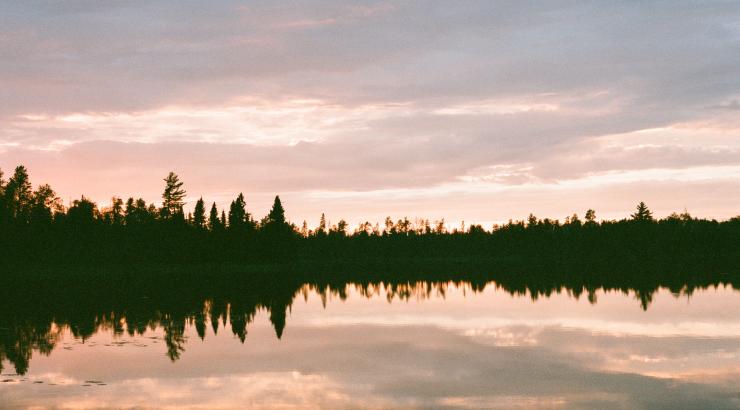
321	229
115	214
342	227
214	224
18	195
239	219
137	213
44	204
590	216
129	213
172	197
642	214
277	213
83	212
199	214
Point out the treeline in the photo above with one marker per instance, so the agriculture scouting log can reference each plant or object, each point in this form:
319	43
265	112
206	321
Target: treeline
36	227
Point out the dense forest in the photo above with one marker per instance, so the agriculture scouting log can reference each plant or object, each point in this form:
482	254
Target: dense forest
37	229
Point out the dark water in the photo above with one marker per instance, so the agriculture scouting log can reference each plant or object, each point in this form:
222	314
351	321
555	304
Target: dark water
408	345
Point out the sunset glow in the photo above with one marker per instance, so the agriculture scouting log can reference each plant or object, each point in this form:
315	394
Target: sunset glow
401	104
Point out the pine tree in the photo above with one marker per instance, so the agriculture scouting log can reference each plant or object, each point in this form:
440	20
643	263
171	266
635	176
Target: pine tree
643	214
18	195
199	213
321	230
172	197
137	212
237	214
274	223
213	223
277	213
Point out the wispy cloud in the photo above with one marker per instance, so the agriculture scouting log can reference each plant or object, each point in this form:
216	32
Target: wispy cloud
330	97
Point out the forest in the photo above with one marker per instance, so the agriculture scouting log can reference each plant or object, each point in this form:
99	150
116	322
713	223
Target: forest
37	229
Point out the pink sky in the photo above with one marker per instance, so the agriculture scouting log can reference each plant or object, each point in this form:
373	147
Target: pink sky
468	111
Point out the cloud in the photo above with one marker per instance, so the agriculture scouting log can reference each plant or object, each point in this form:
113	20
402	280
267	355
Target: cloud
63	56
325	95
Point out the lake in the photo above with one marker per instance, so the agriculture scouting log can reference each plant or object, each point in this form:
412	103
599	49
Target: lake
419	344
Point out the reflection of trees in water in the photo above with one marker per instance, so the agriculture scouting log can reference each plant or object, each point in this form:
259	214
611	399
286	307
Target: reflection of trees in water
18	339
132	308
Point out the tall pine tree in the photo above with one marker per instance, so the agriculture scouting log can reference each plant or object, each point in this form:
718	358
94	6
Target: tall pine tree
172	197
214	224
18	195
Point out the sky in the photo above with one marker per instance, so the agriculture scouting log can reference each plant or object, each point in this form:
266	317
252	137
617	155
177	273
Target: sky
469	110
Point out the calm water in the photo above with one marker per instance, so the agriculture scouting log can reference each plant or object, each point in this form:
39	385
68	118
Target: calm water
428	345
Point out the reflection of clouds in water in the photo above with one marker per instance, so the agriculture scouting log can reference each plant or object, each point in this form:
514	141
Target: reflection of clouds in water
506	336
450	350
386	366
257	390
695	358
684	357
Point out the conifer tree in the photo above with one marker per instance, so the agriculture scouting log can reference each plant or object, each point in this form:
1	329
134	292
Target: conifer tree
199	213
277	213
642	214
18	195
237	214
274	222
321	230
213	222
172	197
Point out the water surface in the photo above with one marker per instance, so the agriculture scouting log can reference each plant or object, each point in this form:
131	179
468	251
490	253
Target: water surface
420	344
